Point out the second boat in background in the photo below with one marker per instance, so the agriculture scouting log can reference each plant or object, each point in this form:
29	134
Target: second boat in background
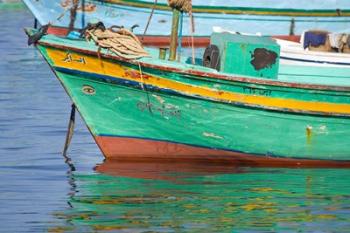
271	18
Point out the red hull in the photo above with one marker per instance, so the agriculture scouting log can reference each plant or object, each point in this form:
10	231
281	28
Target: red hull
164	41
132	149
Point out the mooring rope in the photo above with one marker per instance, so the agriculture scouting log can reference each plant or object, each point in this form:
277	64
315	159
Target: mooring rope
122	42
149	18
144	88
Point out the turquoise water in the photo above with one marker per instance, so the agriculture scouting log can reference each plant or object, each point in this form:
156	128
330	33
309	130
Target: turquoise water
39	192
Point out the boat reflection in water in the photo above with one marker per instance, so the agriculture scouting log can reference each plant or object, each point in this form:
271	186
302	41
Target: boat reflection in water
195	197
172	170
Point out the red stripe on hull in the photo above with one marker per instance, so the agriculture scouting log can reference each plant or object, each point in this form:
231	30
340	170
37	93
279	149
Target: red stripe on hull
160	40
132	149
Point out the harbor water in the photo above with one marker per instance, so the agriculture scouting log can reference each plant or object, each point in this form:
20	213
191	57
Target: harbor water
42	192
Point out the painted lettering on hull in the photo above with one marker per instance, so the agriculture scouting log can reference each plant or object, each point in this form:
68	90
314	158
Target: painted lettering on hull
165	110
257	91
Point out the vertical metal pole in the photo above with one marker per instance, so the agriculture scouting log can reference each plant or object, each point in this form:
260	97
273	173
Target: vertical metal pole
174	33
192	39
292	27
35	23
69	131
73	15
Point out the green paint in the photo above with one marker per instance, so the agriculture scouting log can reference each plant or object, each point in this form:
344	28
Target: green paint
247	55
207	198
302	74
314	74
122	111
11	5
237	87
118	110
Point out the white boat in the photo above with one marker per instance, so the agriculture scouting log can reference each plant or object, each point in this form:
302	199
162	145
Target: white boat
296	60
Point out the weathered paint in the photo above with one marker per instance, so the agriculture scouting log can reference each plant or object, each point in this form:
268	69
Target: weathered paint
183	69
250	96
116	111
247	55
204	114
136	149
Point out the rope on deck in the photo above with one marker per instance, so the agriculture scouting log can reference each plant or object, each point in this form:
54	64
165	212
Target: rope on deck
118	40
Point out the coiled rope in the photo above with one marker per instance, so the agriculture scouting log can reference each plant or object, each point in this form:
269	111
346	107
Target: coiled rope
181	5
120	41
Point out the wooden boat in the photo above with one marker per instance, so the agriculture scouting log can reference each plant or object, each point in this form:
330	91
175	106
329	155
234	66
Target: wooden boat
149	108
271	17
296	63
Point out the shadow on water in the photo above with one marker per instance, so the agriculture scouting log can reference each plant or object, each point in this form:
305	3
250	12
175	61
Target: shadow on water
196	197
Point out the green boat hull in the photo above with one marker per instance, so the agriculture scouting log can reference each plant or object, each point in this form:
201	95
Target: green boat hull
160	110
119	111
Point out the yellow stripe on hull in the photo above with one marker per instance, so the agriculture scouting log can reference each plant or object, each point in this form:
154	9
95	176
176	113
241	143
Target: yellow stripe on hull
92	64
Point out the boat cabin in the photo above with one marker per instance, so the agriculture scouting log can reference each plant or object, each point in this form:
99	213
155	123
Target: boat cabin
249	55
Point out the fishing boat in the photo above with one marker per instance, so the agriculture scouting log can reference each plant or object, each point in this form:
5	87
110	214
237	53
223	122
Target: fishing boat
295	61
234	107
272	17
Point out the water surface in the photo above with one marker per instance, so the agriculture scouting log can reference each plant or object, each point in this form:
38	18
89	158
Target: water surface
40	193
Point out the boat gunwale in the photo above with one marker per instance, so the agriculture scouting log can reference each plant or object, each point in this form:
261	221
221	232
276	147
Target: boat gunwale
203	9
250	80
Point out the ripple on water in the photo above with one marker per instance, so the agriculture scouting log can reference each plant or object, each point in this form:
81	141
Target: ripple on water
39	193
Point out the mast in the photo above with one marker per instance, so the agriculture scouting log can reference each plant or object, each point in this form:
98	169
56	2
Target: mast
73	15
178	6
174	33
